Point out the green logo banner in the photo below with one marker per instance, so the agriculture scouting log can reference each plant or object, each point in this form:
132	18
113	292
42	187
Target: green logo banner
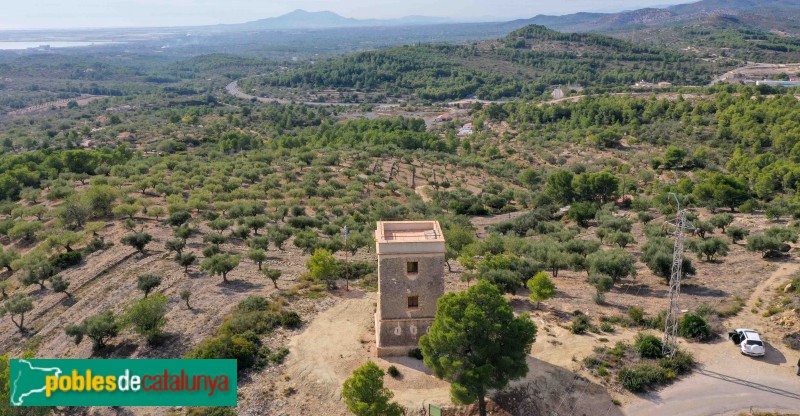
57	382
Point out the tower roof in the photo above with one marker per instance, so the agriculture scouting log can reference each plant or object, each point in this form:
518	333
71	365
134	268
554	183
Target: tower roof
395	237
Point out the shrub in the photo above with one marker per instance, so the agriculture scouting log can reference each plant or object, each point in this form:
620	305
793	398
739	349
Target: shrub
265	357
277	357
357	269
649	346
680	363
591	362
737	233
253	304
749	206
619	350
636	314
95	245
705	310
257	322
211	411
599	298
393	371
695	326
243	348
291	320
606	327
580	324
656	322
642	377
65	260
730	307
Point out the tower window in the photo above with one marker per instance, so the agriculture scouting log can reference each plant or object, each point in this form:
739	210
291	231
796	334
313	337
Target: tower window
412	267
413	302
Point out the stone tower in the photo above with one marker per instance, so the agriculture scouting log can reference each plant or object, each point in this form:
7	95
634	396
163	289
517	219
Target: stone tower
410	281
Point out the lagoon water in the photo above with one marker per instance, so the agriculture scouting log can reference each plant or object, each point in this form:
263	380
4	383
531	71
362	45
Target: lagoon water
52	44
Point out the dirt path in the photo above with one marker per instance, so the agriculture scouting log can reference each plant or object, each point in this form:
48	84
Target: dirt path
728	382
311	351
341	338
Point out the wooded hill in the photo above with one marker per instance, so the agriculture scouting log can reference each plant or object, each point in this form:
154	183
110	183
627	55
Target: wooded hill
526	63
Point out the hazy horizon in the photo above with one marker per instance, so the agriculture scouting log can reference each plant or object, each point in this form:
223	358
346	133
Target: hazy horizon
90	14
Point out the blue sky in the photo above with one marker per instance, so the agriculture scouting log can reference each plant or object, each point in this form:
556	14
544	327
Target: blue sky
43	14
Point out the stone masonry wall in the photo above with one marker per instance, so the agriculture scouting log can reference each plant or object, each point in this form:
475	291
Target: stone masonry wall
396	286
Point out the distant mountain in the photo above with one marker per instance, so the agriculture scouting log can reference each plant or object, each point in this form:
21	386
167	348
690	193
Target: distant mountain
768	15
301	19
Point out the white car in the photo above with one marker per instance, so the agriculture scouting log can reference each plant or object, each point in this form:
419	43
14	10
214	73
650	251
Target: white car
749	341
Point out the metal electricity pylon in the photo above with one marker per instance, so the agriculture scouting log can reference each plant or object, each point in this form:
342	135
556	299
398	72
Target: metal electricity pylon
671	328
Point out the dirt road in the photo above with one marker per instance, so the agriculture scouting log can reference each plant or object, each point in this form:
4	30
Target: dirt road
728	382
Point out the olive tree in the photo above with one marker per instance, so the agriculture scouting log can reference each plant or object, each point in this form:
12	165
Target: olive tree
60	285
710	248
176	244
147	282
37	269
19	304
185	295
7	257
185	260
273	275
148	317
737	233
258	256
99	328
137	241
721	221
615	263
221	264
